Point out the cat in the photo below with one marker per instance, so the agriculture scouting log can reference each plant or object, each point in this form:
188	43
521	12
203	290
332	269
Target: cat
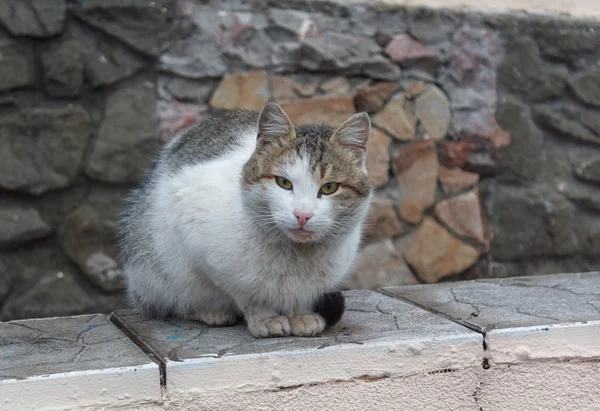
247	215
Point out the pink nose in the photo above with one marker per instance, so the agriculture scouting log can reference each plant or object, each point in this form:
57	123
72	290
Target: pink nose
303	217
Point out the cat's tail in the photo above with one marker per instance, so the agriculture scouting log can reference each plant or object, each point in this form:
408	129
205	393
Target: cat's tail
331	307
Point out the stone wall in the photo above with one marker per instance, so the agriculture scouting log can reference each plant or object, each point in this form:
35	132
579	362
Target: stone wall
485	148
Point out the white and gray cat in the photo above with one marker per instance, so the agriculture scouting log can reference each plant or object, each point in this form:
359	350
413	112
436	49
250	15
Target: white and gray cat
248	215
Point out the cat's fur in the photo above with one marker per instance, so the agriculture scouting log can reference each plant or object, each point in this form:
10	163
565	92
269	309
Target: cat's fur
207	234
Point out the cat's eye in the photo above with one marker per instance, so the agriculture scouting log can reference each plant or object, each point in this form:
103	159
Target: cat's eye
329	188
283	183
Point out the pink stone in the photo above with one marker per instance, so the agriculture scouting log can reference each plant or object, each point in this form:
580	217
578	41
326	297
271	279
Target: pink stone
404	49
174	117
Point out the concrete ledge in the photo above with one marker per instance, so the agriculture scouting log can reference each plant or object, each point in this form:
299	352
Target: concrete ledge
527	343
81	362
379	338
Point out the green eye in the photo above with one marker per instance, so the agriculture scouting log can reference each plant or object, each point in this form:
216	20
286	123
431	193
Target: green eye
283	183
329	188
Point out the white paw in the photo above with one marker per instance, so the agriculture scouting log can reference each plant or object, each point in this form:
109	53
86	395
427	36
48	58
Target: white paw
307	325
270	327
215	318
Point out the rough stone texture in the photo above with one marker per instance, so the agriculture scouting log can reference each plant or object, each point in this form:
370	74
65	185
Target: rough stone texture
88	239
16	65
565	121
417	172
378	158
524	72
331	111
589	171
127	137
64	69
185	90
372	99
464	216
397	119
512	302
336	85
247	91
41	149
455	180
380	265
435	253
532	222
20	224
140	24
383	220
369	317
586	85
409	52
65	360
195	56
35	18
523	156
174	117
433	111
285	88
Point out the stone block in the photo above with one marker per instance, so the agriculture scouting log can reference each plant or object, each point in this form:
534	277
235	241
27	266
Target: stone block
16	65
525	319
248	91
378	157
81	362
33	18
328	110
378	338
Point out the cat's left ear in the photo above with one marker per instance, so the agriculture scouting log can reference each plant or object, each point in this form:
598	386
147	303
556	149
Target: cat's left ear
354	134
274	126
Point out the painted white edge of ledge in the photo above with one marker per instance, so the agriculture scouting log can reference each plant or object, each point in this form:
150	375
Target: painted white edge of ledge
276	370
582	9
558	342
110	388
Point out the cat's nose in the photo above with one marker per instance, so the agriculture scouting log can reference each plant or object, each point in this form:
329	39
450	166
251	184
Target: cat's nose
303	216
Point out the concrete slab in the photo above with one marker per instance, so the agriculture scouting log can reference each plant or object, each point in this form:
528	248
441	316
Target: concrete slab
379	338
523	318
78	362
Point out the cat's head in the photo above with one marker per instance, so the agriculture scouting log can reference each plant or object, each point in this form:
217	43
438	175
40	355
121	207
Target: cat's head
307	183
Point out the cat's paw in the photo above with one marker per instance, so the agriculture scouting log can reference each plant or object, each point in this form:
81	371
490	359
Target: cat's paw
270	327
307	325
215	318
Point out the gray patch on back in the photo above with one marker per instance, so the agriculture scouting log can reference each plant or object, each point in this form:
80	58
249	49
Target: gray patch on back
210	139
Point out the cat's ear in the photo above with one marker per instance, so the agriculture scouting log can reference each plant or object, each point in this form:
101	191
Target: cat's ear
354	134
274	125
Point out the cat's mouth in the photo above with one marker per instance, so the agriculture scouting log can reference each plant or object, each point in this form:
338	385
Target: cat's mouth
300	234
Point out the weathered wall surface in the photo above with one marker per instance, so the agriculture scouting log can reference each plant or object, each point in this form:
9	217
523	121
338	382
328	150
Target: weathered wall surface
485	149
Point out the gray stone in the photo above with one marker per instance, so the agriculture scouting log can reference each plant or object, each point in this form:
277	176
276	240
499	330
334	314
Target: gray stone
64	69
532	222
369	317
565	39
127	139
34	18
105	61
89	240
589	170
431	26
566	122
41	149
20	224
522	71
511	302
337	51
16	64
250	53
142	25
182	89
586	85
584	199
522	158
377	67
196	56
57	293
292	21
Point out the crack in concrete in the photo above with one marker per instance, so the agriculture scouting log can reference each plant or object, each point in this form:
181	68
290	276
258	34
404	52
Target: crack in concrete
520	311
396	324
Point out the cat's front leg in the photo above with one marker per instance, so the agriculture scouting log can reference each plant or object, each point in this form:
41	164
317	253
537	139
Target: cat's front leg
306	323
263	322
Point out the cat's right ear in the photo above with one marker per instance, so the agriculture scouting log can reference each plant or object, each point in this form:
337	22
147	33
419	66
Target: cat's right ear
274	126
